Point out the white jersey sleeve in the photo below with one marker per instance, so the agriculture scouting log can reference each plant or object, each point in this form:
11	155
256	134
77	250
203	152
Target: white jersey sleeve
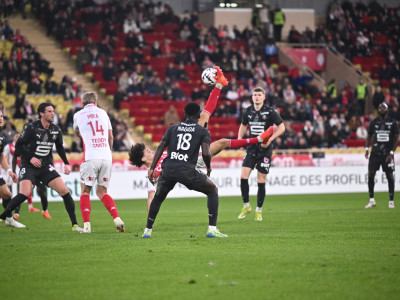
94	124
150	187
7	154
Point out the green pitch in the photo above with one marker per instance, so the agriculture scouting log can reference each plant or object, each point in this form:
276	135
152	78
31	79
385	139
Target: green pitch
307	247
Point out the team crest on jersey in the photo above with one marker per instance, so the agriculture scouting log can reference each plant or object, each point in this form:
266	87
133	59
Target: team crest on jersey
266	160
54	137
264	117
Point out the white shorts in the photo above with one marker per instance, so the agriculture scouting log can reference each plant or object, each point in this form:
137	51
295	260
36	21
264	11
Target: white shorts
96	169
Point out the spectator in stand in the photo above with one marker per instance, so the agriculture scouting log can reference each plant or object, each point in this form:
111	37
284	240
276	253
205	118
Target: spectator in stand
120	96
82	58
362	132
69	92
35	84
185	33
145	24
135	87
94	56
7	30
156	49
30	111
130	25
384	72
171	117
278	18
136	56
110	70
123	81
394	112
167	16
181	74
82	32
289	96
334	139
125	65
106	47
177	93
171	71
51	86
378	97
361	96
294	35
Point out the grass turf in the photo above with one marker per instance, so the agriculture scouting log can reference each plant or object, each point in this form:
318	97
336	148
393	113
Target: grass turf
307	247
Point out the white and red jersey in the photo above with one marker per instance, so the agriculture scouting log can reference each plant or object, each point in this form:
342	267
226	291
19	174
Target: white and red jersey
151	187
9	150
93	124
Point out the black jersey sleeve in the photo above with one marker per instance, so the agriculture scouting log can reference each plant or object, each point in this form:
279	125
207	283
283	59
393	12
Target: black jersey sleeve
206	137
276	118
371	128
167	135
60	148
245	118
26	135
2	142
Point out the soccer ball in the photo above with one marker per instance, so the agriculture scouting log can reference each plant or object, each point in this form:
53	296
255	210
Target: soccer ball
209	76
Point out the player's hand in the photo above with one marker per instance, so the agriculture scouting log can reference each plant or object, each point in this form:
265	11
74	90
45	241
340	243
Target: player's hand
266	144
13	176
208	172
67	169
36	162
366	154
389	158
152	176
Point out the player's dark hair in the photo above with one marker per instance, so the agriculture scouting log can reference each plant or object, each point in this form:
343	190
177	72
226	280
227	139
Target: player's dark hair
136	154
192	109
259	89
42	107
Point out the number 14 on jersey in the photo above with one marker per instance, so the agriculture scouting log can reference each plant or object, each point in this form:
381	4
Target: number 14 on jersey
96	128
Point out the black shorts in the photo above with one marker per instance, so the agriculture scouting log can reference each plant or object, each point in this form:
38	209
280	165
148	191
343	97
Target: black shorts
2	181
375	161
36	176
191	178
262	161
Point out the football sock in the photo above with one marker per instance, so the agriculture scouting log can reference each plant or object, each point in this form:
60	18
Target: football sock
244	187
212	204
391	187
110	205
212	228
70	207
260	194
236	144
17	209
30	205
42	192
211	103
5	203
84	204
154	209
259	209
247	204
12	204
371	185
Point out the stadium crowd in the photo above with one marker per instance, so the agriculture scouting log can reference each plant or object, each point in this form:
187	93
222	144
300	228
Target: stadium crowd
25	72
126	49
